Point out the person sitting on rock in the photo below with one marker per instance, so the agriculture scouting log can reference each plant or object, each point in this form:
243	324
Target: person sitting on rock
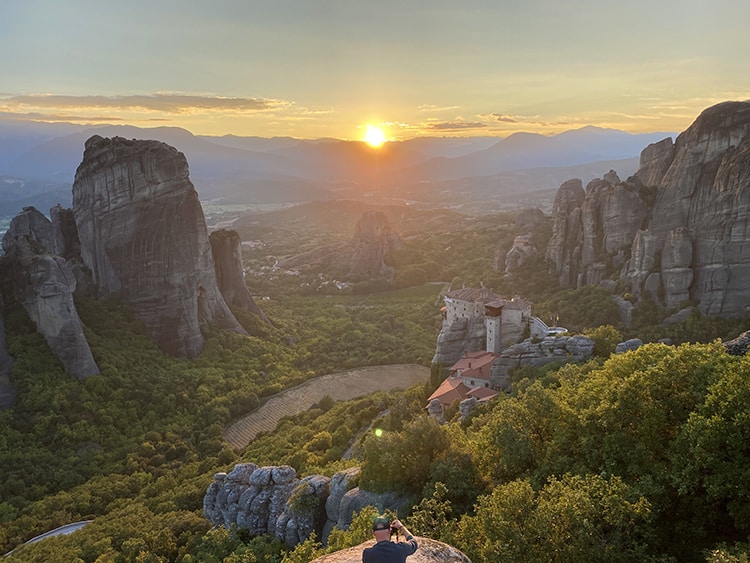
385	550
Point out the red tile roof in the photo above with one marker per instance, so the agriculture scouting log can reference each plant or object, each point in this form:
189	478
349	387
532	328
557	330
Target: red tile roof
477	364
451	389
483	394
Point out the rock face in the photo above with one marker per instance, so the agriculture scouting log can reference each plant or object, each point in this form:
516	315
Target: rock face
44	285
143	236
273	500
462	335
226	248
429	551
678	229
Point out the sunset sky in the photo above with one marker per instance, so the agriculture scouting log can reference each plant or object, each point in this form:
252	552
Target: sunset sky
328	68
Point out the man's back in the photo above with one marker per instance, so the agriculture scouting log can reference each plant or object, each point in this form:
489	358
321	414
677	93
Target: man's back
389	552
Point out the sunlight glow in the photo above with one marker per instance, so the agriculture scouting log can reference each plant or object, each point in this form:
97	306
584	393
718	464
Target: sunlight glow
374	136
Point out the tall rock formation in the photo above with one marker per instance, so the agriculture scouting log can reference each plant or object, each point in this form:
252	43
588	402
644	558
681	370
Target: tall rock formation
365	255
226	248
679	230
143	236
372	243
44	284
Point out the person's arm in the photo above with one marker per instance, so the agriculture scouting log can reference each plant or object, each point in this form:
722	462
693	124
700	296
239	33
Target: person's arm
407	534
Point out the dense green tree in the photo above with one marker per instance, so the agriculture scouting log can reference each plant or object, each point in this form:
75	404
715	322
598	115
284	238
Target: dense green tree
572	519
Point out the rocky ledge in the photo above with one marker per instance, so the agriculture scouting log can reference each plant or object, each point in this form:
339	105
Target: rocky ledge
430	551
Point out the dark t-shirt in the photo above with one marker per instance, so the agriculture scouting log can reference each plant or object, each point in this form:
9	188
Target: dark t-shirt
389	552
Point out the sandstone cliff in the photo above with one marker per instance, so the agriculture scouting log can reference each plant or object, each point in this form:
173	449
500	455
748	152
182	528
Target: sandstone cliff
226	248
44	284
678	229
143	236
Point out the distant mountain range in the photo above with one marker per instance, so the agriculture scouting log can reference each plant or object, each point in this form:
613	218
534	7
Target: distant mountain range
38	163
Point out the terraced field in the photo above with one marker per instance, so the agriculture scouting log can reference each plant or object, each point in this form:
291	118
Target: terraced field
341	386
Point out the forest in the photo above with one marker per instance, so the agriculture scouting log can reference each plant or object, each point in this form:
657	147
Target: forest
631	457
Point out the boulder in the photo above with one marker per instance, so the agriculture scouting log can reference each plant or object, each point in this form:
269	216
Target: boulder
143	236
738	346
628	345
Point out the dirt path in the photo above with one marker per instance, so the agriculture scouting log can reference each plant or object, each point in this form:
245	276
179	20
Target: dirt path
341	386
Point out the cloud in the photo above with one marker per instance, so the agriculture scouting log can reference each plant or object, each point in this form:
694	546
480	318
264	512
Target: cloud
166	103
503	117
433	107
51	117
453	125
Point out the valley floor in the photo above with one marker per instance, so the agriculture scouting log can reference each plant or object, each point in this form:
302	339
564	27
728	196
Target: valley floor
341	386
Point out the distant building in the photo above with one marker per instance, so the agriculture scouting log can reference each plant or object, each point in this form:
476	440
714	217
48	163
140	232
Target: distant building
505	319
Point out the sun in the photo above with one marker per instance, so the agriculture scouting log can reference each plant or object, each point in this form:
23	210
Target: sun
374	136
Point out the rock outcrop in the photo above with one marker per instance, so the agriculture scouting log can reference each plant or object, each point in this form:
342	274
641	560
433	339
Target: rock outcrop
44	285
226	248
273	500
535	352
143	236
677	230
430	551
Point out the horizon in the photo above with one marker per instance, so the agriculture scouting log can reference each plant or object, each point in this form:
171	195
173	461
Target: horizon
334	69
364	141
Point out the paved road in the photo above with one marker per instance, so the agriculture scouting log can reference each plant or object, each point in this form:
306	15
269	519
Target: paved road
62	530
339	386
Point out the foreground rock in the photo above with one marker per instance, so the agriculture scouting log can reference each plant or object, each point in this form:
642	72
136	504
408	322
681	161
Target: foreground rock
430	551
143	236
273	500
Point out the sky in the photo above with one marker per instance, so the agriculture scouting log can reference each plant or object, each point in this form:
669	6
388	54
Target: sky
329	68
